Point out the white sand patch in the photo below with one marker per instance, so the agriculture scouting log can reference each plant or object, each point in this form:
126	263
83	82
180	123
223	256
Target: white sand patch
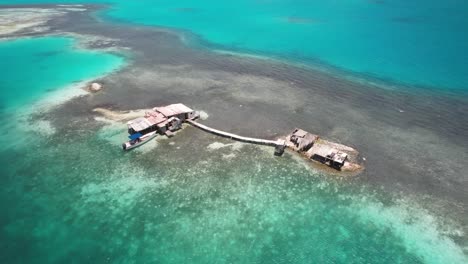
246	55
203	115
120	116
416	227
147	147
236	146
59	97
229	156
43	127
113	132
216	145
13	20
74	9
103	119
28	128
71	5
62	95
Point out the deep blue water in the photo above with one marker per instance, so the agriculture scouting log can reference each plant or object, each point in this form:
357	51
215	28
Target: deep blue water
412	42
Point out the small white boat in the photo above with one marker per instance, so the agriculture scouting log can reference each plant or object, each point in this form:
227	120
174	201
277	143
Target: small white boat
162	120
138	139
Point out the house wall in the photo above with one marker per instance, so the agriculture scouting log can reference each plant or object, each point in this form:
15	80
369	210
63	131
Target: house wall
162	130
149	129
182	117
190	115
319	158
337	165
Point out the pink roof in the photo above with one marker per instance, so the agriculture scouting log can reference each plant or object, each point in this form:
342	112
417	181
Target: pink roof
300	133
155	117
139	124
173	109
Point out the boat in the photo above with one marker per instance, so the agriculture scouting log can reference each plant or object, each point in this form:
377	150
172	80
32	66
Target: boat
160	120
138	139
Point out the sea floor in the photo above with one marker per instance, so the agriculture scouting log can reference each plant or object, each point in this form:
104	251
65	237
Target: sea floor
68	192
196	198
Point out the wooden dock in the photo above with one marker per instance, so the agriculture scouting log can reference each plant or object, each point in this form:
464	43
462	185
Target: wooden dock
278	143
165	120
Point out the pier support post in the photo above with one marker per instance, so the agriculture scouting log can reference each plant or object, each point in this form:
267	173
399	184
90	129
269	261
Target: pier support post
279	150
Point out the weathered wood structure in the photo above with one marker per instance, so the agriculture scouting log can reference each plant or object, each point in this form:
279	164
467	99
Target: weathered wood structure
166	120
278	144
160	120
302	140
328	155
326	152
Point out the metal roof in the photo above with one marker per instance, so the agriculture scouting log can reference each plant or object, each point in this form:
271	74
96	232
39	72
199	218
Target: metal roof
173	109
155	117
340	157
329	153
323	150
300	133
140	124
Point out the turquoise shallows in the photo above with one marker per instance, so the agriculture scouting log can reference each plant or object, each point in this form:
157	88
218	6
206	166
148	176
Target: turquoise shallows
412	42
73	194
78	196
31	67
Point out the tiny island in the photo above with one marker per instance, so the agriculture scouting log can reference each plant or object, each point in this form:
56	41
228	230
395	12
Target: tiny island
165	120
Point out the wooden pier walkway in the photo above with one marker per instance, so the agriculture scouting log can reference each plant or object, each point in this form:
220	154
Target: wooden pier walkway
277	143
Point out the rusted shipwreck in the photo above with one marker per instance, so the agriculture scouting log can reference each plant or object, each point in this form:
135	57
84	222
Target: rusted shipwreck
311	146
167	119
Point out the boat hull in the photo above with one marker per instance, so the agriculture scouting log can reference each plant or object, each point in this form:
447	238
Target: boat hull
142	140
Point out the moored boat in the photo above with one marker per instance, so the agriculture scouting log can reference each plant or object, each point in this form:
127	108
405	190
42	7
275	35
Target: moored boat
160	120
141	130
138	139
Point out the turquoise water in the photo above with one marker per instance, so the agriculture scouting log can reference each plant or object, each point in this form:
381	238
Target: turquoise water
33	67
94	203
68	193
411	42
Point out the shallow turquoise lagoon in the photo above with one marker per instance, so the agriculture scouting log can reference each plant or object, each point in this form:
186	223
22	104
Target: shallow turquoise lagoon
71	193
32	67
411	42
78	196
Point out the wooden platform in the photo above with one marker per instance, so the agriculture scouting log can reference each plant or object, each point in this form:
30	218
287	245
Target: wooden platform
217	132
